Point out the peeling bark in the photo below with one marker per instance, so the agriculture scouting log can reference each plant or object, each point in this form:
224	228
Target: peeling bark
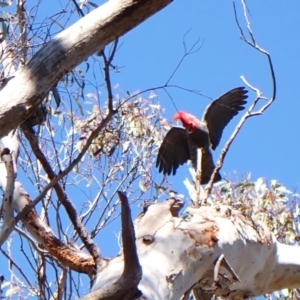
76	260
215	250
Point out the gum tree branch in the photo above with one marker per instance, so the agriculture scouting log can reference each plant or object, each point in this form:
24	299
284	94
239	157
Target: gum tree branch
7	207
27	87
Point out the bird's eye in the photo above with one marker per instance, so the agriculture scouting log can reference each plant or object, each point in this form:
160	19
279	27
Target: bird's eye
190	128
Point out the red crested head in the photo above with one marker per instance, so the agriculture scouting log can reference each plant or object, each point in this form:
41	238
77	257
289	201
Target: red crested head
189	122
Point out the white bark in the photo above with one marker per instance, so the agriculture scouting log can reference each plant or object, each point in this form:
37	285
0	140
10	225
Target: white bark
176	254
7	207
11	141
26	88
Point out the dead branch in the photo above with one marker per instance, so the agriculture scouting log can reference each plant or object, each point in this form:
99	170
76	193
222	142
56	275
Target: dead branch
60	290
1	282
23	30
126	286
132	270
67	255
16	265
198	177
251	111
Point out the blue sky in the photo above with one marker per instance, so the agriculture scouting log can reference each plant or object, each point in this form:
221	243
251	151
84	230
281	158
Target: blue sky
268	145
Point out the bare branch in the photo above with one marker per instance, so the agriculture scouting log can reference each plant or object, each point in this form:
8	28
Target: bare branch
1	282
186	53
59	292
79	10
248	22
107	65
23	29
70	257
126	286
198	187
132	270
217	267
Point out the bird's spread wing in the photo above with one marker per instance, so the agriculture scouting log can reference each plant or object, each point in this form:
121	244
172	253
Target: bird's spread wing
207	164
218	114
173	152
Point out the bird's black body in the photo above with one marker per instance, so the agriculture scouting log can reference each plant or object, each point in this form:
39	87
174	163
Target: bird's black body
181	144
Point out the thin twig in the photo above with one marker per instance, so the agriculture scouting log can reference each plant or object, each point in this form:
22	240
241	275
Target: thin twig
248	22
79	10
186	53
16	265
107	64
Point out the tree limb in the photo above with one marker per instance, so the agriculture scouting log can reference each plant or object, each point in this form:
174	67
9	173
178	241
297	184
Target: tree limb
7	207
26	88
